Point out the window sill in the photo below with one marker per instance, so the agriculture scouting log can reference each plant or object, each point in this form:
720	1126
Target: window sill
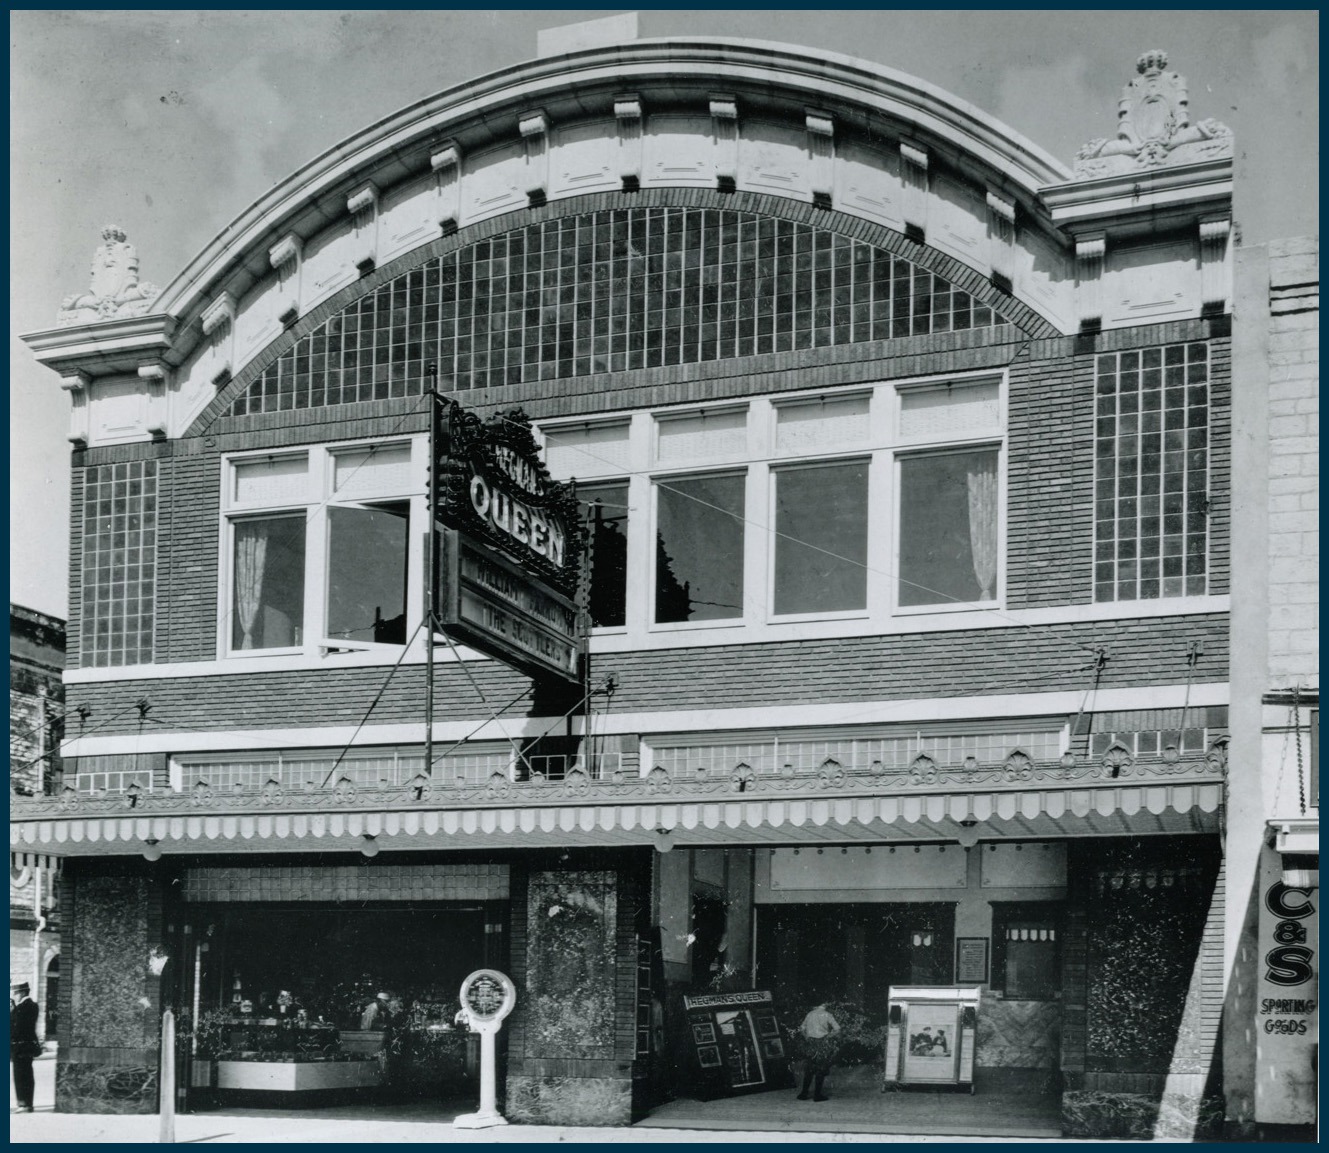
689	626
829	615
993	605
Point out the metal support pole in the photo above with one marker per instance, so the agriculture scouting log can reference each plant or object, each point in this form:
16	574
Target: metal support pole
431	575
166	1080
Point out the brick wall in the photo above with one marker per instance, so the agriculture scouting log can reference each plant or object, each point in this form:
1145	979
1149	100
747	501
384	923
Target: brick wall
964	663
1294	462
1050	491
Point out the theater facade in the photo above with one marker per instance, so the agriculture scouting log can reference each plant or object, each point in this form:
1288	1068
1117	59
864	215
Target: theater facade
903	451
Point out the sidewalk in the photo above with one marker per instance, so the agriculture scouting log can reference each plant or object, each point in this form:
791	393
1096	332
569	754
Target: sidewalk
277	1128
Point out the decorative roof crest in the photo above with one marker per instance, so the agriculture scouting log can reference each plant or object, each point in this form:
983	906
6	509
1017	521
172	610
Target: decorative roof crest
1153	126
114	289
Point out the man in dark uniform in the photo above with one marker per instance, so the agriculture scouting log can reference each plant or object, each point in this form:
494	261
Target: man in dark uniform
23	1044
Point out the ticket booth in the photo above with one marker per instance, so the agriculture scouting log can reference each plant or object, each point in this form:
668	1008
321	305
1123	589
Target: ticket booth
931	1036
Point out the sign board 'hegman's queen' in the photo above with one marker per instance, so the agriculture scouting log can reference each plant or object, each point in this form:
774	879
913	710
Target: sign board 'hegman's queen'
494	487
511	552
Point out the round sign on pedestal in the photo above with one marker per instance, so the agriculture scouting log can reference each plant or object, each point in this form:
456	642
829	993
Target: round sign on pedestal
488	996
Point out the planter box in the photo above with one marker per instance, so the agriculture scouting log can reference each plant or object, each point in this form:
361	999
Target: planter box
296	1076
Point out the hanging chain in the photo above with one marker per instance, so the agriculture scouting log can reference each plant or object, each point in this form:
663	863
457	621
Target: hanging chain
1296	729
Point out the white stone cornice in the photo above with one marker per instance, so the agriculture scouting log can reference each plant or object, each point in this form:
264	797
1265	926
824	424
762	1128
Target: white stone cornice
534	129
1215	267
286	251
220	312
448	156
1001	238
445	163
820	128
533	123
914	177
363	199
819	123
154	376
724	124
628	114
75	382
1090	249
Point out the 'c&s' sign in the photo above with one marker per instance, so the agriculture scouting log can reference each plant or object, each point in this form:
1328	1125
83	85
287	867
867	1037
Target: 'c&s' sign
1288	963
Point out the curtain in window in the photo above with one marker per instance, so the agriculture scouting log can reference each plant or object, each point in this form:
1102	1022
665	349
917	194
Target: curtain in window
251	550
982	478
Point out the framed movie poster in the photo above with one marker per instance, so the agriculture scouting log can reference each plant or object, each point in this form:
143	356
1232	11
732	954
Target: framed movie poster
971	960
931	1035
930	1049
735	1043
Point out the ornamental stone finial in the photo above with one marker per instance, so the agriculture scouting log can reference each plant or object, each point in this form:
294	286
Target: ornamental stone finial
1153	126
114	289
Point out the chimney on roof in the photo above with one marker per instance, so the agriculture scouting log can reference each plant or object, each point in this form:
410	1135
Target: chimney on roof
588	34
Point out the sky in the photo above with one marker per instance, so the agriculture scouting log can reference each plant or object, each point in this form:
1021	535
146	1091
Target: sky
170	124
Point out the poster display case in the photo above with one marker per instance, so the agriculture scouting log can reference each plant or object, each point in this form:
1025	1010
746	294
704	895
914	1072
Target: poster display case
735	1044
931	1036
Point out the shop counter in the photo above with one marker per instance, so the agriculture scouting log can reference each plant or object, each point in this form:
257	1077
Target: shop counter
298	1076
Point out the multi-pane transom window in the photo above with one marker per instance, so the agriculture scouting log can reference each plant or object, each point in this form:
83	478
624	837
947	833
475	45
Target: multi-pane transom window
1151	473
607	292
118	570
334	570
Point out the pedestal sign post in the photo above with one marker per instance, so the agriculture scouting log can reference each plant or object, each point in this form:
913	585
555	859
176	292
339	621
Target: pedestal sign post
487	996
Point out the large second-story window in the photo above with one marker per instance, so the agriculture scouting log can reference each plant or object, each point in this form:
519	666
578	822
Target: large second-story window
821	541
268	579
307	568
948	527
1151	473
606	510
779	512
699	548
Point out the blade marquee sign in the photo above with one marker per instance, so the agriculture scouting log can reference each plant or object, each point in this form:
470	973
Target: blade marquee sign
510	559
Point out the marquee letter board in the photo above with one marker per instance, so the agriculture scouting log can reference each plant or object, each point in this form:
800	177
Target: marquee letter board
735	1044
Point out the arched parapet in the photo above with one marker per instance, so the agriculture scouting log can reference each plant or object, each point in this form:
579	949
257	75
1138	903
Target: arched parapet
824	135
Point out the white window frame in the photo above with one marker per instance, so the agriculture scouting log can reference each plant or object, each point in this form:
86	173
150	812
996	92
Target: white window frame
714	471
882	447
794	465
319	498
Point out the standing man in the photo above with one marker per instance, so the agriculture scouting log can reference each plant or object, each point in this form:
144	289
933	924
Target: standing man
819	1029
23	1044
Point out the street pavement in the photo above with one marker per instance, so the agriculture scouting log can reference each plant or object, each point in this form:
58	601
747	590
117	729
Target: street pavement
366	1124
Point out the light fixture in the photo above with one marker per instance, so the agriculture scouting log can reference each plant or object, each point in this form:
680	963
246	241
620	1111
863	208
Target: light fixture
968	833
152	850
369	845
664	840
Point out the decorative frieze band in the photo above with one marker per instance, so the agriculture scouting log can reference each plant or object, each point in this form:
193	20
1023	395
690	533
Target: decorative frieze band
287	256
446	166
1090	250
534	129
914	177
1001	239
724	124
1215	273
77	384
821	155
220	312
362	205
628	114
